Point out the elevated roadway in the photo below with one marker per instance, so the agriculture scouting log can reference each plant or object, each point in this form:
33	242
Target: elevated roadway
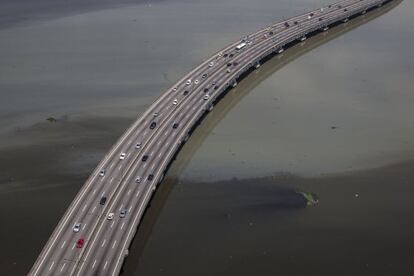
110	205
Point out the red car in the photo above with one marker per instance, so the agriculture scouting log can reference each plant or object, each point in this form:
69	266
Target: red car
80	243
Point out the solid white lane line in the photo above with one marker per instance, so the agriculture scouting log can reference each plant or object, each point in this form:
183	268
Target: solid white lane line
122	226
103	243
152	167
110	181
114	244
112	164
84	226
129	210
83	209
94	263
93	209
159	155
112	224
94	191
137	194
159	142
129	191
102	193
50	268
105	265
120	208
63	266
73	246
63	244
120	167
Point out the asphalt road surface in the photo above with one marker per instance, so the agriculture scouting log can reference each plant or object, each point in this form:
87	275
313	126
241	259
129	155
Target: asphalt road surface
130	172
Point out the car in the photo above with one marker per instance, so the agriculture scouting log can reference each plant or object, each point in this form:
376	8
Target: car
271	33
225	55
77	227
287	25
80	242
175	125
150	177
175	102
110	216
231	55
153	125
138	180
213	83
295	22
123	213
196	81
156	114
204	76
228	71
188	82
211	64
206	97
185	93
122	156
205	90
216	87
144	158
102	173
103	200
228	64
175	89
138	146
220	54
235	63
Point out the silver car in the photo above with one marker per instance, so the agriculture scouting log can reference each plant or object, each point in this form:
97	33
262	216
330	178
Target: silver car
77	227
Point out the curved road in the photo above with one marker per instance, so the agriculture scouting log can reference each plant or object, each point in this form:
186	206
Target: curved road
132	169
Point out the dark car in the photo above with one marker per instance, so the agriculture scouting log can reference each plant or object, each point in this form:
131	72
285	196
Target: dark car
204	76
185	93
216	87
144	158
225	55
150	177
235	63
229	64
153	125
175	125
123	213
271	33
231	55
296	22
103	200
80	242
206	89
286	24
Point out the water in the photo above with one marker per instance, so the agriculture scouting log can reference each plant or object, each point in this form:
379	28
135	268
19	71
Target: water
335	120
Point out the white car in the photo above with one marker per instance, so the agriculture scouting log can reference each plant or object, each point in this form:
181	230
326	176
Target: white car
156	114
138	180
122	156
196	81
175	89
102	173
77	227
138	145
188	82
110	216
211	64
175	102
206	97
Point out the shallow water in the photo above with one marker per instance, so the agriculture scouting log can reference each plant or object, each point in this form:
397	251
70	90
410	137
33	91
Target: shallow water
335	120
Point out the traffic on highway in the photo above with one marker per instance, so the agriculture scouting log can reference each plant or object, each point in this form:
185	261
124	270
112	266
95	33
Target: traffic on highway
94	235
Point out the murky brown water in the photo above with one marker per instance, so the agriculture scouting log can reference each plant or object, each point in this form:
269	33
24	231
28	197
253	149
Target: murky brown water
335	119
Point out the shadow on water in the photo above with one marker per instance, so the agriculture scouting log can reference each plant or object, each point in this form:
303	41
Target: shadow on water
232	98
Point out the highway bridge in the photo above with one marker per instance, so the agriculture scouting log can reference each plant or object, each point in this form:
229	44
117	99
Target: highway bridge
94	235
